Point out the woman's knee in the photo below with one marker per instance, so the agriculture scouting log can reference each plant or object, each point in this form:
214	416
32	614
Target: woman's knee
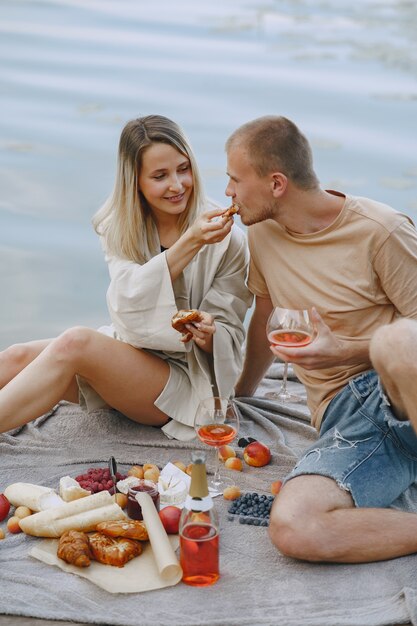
72	343
16	357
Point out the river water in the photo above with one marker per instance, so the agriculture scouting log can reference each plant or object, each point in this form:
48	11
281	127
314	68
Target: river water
73	72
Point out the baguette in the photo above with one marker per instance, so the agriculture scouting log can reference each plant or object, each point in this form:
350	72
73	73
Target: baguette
83	514
35	497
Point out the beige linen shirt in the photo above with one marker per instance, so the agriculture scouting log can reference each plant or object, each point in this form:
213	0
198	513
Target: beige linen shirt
360	273
141	300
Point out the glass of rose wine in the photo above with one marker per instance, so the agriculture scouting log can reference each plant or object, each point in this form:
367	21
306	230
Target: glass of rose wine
289	328
216	424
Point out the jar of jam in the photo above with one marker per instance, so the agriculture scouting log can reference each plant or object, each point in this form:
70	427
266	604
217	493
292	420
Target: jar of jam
134	510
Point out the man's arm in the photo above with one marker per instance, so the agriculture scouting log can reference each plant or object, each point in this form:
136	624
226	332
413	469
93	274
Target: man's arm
326	350
258	355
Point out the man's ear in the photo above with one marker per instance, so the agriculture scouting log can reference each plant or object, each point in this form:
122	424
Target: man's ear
278	184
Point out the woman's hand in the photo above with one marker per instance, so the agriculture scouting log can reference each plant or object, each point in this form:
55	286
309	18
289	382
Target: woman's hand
207	229
202	332
326	350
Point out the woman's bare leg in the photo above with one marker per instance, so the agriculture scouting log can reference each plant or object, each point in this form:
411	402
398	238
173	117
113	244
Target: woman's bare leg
14	359
127	378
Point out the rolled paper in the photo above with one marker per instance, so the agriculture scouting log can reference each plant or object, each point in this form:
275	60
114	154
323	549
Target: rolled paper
165	557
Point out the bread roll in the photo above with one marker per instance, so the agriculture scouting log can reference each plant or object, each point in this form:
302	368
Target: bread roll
83	514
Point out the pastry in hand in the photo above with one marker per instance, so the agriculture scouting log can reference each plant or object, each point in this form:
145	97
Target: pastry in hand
130	528
183	317
115	551
230	211
74	548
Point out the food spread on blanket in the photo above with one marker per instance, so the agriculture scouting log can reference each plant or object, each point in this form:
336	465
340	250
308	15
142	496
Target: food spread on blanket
90	526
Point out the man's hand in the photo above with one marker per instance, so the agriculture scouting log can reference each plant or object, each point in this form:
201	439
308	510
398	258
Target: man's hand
326	350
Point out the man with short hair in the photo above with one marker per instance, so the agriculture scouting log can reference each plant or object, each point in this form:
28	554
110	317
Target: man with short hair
353	262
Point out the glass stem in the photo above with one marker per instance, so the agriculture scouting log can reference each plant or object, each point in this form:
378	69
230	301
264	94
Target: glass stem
216	477
284	379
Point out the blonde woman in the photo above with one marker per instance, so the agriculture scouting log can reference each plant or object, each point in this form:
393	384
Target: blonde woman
167	248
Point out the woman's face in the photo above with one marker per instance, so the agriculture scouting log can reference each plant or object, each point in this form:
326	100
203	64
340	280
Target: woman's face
166	179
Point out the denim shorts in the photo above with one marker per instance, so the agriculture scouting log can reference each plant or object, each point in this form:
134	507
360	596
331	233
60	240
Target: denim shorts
363	446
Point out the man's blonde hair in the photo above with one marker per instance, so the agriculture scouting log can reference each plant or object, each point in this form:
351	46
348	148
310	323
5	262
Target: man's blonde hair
274	143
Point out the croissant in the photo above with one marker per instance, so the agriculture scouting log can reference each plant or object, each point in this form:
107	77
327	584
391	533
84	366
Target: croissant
130	528
73	547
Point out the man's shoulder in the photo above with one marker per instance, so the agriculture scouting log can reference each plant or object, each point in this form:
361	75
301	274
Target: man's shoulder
378	214
266	228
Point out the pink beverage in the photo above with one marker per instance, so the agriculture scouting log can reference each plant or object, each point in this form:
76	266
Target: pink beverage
199	554
289	338
134	510
216	434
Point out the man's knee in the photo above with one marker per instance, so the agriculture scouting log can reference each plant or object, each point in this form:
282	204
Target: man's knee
391	344
297	534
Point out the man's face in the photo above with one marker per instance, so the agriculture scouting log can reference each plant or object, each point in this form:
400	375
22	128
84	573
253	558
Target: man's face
250	192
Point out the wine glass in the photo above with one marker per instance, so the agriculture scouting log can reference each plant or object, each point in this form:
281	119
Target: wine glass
216	424
290	328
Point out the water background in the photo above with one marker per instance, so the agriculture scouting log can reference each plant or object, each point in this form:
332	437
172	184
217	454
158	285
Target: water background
73	72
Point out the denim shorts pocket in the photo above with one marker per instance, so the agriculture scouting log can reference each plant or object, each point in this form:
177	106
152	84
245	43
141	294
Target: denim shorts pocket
363	385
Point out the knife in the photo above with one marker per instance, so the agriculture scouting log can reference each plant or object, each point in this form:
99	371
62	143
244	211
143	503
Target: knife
113	470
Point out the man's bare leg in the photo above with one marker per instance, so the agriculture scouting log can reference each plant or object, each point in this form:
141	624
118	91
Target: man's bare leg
393	352
315	520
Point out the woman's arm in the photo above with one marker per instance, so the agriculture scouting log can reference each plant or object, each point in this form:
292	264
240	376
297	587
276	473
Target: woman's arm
205	230
226	298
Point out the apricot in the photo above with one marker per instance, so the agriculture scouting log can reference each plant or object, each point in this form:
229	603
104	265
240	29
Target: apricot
233	463
180	465
188	469
150	466
13	525
22	512
136	470
151	474
1	534
257	454
276	487
226	452
121	500
231	493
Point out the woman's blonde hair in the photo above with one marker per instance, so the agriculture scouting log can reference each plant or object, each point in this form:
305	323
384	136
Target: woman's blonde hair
125	220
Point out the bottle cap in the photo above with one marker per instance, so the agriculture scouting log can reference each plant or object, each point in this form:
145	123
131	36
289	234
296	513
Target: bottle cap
198	487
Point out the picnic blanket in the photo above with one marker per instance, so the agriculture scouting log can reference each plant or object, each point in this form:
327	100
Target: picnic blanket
257	586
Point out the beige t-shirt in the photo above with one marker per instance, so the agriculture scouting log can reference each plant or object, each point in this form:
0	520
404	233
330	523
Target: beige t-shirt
360	273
